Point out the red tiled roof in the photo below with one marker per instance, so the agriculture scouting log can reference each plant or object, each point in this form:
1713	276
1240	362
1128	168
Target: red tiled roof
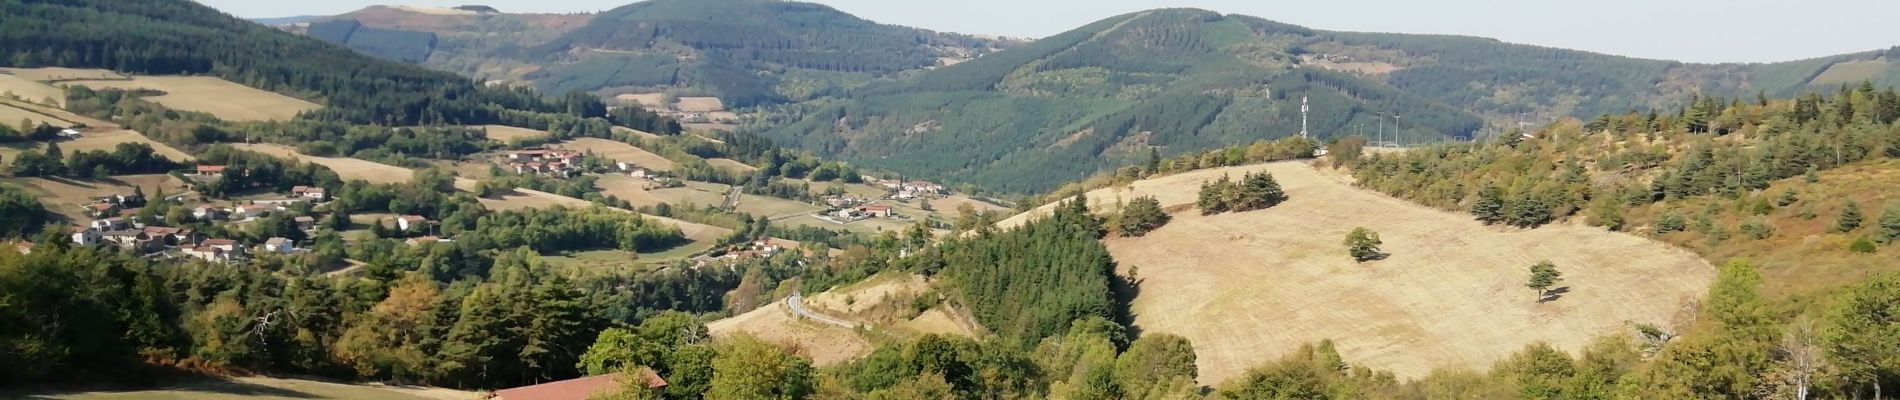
577	389
210	168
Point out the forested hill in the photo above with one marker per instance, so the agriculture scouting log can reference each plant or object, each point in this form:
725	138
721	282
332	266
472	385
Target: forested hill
167	37
1182	80
747	52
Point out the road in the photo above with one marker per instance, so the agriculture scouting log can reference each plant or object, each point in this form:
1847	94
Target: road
797	304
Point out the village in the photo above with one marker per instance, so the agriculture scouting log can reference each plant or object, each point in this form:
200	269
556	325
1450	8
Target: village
120	220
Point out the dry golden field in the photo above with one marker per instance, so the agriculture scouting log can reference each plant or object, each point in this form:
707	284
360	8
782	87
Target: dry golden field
699	104
503	133
1252	287
218	97
618	151
348	168
30	90
731	165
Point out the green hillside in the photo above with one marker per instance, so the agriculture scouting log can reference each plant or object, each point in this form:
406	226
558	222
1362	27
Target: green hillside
1034	116
1184	80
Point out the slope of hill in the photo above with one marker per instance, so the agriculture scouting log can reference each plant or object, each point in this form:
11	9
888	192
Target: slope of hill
747	52
1254	286
1183	80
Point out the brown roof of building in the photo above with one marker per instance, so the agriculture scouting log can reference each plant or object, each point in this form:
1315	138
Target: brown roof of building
210	168
577	389
219	242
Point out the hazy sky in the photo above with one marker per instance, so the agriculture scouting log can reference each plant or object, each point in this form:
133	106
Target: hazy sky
1688	30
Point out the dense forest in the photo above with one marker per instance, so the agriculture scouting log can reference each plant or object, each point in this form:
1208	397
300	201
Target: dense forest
168	37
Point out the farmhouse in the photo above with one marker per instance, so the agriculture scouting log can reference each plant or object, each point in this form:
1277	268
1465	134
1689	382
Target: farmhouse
411	222
101	210
110	224
308	192
875	210
280	245
581	388
85	237
305	222
210	253
211	170
207	213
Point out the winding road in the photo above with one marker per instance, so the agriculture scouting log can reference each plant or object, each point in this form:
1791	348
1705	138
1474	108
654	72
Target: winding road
796	302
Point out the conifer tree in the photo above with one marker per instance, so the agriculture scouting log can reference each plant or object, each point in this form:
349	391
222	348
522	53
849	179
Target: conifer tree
1490	204
1850	218
1544	274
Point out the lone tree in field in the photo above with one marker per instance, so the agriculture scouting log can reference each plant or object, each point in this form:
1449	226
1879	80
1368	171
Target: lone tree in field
1544	274
1141	216
1259	191
1363	244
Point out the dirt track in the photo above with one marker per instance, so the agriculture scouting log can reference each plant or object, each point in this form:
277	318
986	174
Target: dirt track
1251	287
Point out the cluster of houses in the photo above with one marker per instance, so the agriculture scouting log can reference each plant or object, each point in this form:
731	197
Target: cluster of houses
757	249
116	224
862	212
148	239
906	190
557	163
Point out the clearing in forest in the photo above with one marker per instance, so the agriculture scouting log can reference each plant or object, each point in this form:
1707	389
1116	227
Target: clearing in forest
1251	287
505	134
218	97
621	152
348	168
883	303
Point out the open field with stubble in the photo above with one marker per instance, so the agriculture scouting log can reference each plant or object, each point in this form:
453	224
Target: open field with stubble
504	133
224	99
348	168
618	151
1251	287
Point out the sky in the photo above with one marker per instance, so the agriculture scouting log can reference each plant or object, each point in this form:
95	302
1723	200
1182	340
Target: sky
1684	30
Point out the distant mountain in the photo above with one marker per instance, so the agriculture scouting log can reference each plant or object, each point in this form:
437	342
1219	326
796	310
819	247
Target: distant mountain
747	52
285	20
1183	80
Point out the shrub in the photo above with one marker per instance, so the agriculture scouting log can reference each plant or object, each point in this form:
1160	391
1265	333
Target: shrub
1861	245
1671	222
1363	244
1758	228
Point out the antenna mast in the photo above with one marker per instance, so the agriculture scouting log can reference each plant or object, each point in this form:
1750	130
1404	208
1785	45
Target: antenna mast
1303	110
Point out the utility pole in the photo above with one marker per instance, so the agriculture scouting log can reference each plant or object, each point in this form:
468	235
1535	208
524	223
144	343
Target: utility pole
1375	143
1395	126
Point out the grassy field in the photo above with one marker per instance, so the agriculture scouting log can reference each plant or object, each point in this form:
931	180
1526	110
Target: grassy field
635	132
618	151
348	168
774	207
264	389
96	140
1250	287
730	165
503	133
652	100
700	104
1851	73
30	90
704	194
13	115
226	100
66	197
49	74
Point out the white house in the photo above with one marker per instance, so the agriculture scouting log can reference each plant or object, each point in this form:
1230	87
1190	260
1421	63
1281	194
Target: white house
86	237
110	224
411	222
309	192
207	213
280	245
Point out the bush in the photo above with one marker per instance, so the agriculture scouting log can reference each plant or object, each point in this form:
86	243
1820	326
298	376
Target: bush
1671	222
1861	245
1758	229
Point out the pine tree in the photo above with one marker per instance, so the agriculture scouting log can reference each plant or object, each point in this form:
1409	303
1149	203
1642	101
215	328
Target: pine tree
1214	195
1850	218
1141	216
1544	274
1154	161
1889	228
1490	204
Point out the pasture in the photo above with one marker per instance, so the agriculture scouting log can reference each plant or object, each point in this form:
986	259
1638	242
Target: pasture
618	151
348	168
218	97
1251	287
